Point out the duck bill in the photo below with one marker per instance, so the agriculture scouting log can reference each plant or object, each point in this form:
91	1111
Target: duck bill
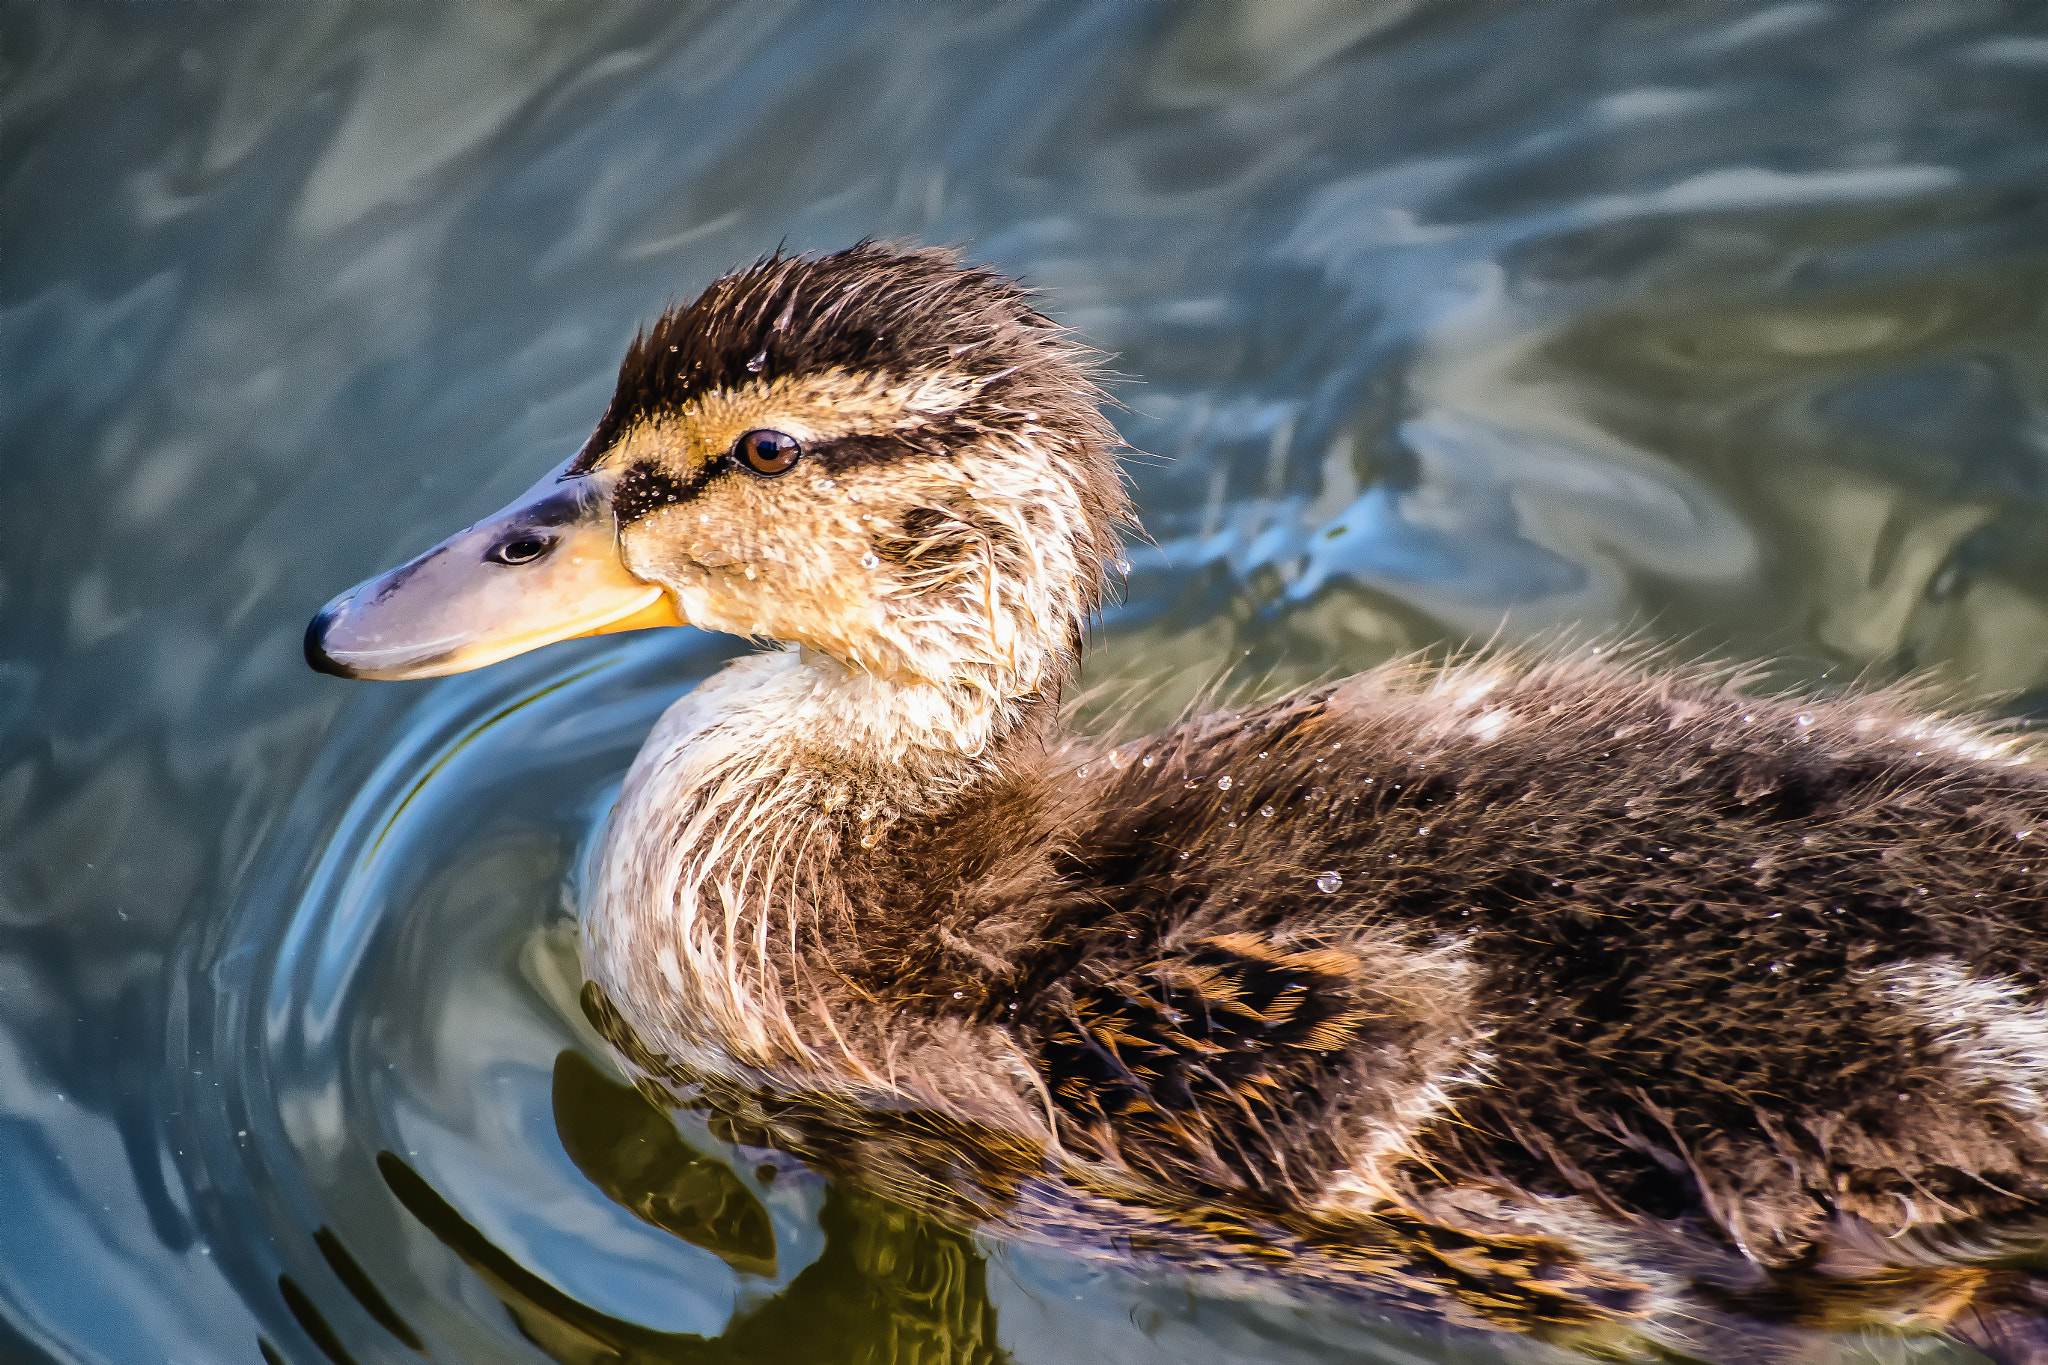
546	568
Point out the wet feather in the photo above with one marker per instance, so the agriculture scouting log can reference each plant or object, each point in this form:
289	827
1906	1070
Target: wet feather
1575	995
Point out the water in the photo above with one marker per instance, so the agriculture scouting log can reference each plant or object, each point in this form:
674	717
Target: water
1720	322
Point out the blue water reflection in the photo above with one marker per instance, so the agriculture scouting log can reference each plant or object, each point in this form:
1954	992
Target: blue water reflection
1441	319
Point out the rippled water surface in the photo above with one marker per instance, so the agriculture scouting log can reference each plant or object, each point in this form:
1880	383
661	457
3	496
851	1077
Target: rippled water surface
1721	322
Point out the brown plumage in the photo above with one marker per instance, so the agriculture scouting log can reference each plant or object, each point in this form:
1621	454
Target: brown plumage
1576	995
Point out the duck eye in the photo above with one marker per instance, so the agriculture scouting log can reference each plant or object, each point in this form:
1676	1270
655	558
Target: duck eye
768	452
521	551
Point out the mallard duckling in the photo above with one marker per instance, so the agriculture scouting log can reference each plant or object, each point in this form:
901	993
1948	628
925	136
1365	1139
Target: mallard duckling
1549	993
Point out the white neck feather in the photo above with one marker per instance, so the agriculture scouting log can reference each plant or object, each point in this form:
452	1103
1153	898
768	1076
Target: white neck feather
726	828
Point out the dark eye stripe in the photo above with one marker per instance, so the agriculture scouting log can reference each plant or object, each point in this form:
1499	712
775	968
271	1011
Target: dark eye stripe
647	488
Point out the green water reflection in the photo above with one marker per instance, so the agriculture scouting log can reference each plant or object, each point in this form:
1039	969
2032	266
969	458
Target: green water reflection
890	1286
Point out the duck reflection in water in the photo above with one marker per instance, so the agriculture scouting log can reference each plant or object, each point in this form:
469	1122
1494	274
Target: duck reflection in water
1569	996
909	1287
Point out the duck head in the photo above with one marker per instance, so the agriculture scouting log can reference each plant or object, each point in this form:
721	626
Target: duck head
878	455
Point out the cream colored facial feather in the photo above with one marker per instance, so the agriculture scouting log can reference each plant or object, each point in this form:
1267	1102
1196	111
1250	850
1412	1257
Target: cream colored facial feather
844	557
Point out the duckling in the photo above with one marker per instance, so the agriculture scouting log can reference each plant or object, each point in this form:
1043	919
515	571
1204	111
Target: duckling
1569	994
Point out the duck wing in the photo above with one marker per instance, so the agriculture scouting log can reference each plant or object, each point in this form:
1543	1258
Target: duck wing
1206	1063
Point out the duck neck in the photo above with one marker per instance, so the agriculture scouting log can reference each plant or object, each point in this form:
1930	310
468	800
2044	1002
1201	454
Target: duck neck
721	884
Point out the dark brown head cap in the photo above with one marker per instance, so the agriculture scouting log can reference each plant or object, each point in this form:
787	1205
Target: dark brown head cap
875	308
